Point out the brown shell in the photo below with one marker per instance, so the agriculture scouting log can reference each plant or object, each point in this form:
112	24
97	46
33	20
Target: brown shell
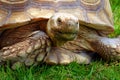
93	13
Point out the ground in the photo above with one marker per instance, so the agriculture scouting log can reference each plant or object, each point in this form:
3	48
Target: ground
98	70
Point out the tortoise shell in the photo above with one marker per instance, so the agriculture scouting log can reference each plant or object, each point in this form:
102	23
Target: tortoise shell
96	14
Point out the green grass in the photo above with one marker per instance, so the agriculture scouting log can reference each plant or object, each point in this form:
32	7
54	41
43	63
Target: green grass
95	71
116	14
98	70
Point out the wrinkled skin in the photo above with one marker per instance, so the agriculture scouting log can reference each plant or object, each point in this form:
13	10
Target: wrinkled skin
29	45
61	42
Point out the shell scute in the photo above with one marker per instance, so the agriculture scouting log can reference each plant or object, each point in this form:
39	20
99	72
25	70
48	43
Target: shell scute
96	14
3	16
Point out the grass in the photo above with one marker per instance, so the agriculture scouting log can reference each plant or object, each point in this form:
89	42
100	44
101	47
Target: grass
116	14
73	71
98	70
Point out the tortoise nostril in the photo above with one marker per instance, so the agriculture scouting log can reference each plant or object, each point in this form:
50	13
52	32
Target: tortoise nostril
72	23
69	24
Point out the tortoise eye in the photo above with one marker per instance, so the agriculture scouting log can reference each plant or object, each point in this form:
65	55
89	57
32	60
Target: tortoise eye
59	21
77	22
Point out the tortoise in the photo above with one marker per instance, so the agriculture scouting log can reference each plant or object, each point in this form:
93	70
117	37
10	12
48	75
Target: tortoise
56	31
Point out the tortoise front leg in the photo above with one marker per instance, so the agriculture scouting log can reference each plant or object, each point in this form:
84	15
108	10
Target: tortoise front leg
59	55
108	49
30	51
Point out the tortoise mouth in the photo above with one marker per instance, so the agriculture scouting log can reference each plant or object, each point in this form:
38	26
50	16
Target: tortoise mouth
65	36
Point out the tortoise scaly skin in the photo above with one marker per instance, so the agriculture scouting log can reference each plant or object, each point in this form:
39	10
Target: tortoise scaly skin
56	31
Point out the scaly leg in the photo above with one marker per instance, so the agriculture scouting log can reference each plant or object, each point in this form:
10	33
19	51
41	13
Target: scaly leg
63	56
30	51
107	48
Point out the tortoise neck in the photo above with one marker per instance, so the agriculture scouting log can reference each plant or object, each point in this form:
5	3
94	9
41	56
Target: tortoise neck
14	4
58	43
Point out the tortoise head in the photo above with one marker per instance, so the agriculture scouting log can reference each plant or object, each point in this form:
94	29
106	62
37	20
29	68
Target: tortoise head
62	27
